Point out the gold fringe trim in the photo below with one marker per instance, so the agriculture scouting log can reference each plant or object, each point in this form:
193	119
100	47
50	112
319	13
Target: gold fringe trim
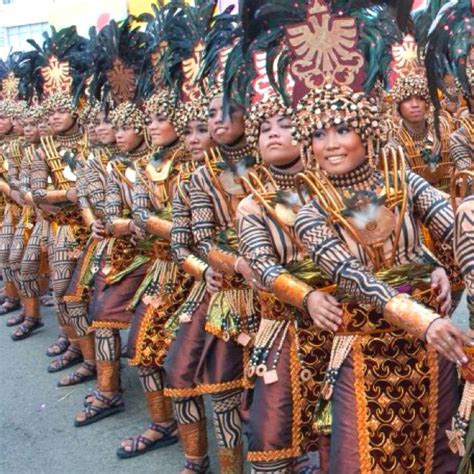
266	456
141	336
433	403
361	404
216	331
205	389
108	325
295	367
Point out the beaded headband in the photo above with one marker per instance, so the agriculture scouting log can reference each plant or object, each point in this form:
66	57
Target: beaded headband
332	105
411	85
261	111
193	110
128	115
60	100
89	113
8	108
33	112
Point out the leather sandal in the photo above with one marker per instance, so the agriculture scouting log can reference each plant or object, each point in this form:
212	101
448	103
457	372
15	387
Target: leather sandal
167	439
76	377
65	361
95	413
62	344
8	306
198	468
15	320
27	328
47	300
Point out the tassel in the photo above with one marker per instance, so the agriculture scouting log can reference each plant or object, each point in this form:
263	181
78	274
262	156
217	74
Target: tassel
460	422
341	347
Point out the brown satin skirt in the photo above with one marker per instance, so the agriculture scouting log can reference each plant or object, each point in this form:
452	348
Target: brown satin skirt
200	363
109	304
280	406
401	437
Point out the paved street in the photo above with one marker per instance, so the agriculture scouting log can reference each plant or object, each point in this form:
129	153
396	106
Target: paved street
36	418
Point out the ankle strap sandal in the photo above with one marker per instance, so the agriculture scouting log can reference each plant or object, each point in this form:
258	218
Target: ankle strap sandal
95	413
72	356
168	438
27	328
198	468
76	377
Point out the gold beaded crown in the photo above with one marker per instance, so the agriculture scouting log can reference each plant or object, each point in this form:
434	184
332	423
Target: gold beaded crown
8	108
128	115
332	105
411	85
34	112
90	112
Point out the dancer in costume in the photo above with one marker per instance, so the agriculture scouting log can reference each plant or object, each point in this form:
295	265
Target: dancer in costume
118	264
184	361
450	47
11	156
426	153
61	161
26	254
363	261
232	317
289	354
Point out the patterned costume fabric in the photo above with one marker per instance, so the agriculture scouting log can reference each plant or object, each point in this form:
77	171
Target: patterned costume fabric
299	354
166	286
12	212
30	259
461	147
68	236
231	311
383	390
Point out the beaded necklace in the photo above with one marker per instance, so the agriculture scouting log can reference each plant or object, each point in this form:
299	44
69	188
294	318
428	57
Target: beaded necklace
68	141
235	155
285	179
360	178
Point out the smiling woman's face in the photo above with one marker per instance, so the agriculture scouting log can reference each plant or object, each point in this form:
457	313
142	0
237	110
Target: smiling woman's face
161	130
225	130
338	149
197	139
275	141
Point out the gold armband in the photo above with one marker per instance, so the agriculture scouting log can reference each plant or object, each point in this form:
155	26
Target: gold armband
290	290
56	197
88	217
195	267
121	227
222	261
160	227
409	315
